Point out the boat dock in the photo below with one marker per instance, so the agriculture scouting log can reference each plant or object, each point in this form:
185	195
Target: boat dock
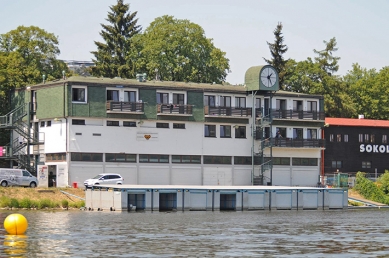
212	198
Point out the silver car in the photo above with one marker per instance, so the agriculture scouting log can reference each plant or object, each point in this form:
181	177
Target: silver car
104	179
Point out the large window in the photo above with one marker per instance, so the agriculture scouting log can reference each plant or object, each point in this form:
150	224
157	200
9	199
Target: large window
225	101
217	160
78	122
130	96
225	131
240	102
209	101
178	99
55	157
79	94
311	106
112	95
162	98
153	158
304	162
298	133
240	132
120	157
194	159
366	164
281	161
82	156
210	130
311	133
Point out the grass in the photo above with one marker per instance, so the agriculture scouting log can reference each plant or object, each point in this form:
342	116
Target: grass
40	198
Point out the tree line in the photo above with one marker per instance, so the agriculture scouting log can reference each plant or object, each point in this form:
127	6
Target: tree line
171	49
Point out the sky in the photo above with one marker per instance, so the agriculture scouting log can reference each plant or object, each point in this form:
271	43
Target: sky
239	28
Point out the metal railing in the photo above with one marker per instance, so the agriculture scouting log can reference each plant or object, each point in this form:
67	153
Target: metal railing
121	106
297	143
297	114
227	111
175	109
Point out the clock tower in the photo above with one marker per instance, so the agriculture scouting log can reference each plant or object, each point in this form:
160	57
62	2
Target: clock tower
263	78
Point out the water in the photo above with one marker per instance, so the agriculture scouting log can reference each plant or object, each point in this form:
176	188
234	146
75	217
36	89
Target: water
352	233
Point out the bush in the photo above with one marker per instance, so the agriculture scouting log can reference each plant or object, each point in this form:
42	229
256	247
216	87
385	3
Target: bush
45	203
369	189
78	204
14	203
5	202
65	204
25	203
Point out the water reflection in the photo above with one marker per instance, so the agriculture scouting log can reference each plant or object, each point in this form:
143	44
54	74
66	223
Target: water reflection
15	245
362	233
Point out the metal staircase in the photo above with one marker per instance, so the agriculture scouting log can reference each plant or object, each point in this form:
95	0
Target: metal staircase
19	148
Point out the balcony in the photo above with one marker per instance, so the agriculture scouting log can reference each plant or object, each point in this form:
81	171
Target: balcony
297	114
174	110
227	112
125	107
297	143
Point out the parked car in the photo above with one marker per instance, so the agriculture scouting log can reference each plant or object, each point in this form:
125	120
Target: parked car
17	177
104	179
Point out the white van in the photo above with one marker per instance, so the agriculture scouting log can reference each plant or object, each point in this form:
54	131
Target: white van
17	177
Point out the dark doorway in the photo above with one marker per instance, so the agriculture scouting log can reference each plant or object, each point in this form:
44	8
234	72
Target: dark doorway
227	202
137	201
167	201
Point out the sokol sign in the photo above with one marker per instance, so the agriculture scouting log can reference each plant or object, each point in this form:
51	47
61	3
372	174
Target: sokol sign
374	148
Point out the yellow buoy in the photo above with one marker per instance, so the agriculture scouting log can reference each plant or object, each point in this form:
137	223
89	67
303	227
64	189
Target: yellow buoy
15	224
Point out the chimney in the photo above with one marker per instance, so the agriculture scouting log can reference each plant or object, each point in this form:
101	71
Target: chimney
361	116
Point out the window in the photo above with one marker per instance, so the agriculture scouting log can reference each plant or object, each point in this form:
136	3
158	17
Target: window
338	137
130	96
281	161
311	106
240	132
298	133
240	102
336	164
360	137
81	156
112	123
162	125
282	131
78	122
178	99
384	138
217	160
366	164
242	160
225	101
163	98
112	95
194	159
225	131
129	123
43	123
311	133
297	105
210	130
79	94
209	101
331	137
304	162
367	136
153	158
372	138
258	107
178	126
48	124
56	157
96	134
345	138
120	157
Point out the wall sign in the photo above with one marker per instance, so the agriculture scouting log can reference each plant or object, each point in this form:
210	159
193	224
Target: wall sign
375	148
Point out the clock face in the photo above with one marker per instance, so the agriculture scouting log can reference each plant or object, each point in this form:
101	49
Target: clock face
268	77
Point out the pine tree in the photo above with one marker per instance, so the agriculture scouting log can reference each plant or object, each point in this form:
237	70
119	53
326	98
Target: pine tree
277	49
327	61
112	57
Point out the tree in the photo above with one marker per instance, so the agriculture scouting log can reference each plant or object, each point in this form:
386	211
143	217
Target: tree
326	60
112	57
177	50
277	50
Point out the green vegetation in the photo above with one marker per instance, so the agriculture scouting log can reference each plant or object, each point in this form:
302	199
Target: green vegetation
353	203
26	203
370	190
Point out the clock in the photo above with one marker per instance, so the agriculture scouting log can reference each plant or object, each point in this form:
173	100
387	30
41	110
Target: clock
268	76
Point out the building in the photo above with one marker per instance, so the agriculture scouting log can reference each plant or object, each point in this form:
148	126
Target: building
167	133
354	145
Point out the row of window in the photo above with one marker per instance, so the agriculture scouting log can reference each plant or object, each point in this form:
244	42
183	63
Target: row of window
363	138
225	131
190	159
79	94
339	164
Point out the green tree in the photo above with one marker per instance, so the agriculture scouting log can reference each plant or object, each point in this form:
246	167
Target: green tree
326	60
112	57
177	50
277	50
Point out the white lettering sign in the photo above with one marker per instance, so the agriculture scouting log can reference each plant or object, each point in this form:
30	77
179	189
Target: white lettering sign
375	148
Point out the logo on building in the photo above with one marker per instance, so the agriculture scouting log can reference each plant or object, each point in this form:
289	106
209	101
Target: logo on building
375	148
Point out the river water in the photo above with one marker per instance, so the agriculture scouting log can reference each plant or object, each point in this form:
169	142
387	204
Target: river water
335	233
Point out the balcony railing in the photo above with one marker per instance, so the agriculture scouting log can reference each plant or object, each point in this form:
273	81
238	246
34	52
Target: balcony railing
297	114
175	109
121	106
297	143
227	111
